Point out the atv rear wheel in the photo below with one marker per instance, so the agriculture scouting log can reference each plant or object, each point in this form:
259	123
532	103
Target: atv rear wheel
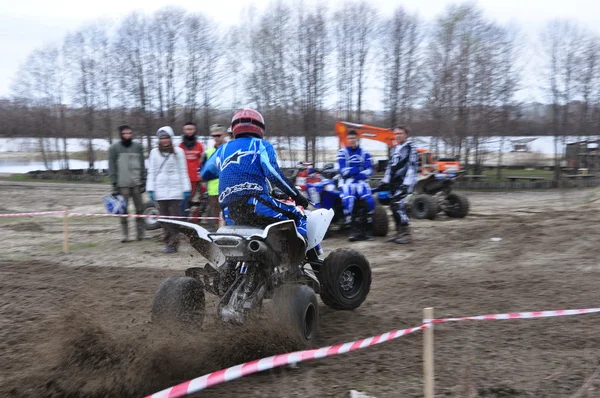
297	305
457	206
345	278
179	300
424	206
151	209
380	222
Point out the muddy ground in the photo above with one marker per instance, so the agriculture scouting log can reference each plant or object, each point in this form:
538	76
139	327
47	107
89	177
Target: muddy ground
79	324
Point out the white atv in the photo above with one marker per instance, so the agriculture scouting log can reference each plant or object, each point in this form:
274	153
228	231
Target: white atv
248	264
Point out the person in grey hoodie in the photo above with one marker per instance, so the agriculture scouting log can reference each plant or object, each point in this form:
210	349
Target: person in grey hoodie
128	176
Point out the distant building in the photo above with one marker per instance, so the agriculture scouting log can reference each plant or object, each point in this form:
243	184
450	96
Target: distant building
584	155
522	145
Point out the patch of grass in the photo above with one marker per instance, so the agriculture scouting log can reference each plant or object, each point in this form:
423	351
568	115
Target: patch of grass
520	172
17	177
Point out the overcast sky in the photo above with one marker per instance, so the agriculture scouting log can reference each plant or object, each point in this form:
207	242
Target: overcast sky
29	24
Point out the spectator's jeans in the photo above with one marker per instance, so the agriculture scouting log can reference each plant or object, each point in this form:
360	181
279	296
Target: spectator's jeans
185	203
214	210
170	208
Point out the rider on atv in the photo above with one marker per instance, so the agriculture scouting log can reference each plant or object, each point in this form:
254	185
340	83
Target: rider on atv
245	167
356	167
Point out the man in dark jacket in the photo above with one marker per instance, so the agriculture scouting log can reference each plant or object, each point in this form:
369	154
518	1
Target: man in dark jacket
400	178
128	176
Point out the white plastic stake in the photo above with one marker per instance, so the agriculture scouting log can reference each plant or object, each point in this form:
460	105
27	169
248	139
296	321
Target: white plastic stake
66	231
428	379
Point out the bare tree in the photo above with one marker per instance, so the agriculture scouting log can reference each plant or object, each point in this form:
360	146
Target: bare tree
234	72
195	36
562	42
134	61
83	51
463	72
311	52
165	35
271	79
39	85
355	28
400	41
106	66
509	80
587	80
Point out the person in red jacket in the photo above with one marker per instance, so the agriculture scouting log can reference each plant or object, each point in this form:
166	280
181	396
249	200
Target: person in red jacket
194	151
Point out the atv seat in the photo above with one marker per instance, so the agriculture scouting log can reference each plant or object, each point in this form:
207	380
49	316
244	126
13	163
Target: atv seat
241	230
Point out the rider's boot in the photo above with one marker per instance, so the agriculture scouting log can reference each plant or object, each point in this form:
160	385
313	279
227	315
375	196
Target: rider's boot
347	222
404	235
358	232
124	230
355	235
139	228
369	228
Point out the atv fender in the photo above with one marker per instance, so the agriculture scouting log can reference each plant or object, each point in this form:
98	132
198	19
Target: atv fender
317	224
200	241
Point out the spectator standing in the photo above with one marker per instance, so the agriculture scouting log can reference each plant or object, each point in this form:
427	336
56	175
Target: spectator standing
168	182
194	152
128	176
219	135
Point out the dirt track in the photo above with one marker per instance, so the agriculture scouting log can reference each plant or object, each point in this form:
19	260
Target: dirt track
78	324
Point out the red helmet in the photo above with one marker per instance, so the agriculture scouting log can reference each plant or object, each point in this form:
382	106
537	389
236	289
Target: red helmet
248	121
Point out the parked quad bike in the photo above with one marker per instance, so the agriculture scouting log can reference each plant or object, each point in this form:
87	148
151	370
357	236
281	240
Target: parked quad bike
433	194
248	265
322	188
196	209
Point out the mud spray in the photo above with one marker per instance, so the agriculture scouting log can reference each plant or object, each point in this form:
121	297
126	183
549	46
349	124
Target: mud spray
86	361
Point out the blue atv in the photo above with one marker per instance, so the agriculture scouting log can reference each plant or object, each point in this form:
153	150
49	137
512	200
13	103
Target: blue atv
322	189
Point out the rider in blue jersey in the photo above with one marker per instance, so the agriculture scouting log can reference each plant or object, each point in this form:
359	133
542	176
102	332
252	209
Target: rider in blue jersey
247	169
356	167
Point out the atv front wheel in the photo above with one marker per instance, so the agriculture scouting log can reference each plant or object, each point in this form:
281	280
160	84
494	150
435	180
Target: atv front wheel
179	300
345	278
457	206
296	305
424	206
380	222
151	209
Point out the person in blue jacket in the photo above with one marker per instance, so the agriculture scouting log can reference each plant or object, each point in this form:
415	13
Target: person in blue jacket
247	169
356	167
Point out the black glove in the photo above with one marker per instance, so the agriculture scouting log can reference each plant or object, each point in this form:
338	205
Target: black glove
400	192
383	186
115	190
301	200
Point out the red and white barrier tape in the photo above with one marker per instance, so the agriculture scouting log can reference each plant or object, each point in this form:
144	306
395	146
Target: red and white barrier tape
235	372
516	315
37	213
156	216
238	371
